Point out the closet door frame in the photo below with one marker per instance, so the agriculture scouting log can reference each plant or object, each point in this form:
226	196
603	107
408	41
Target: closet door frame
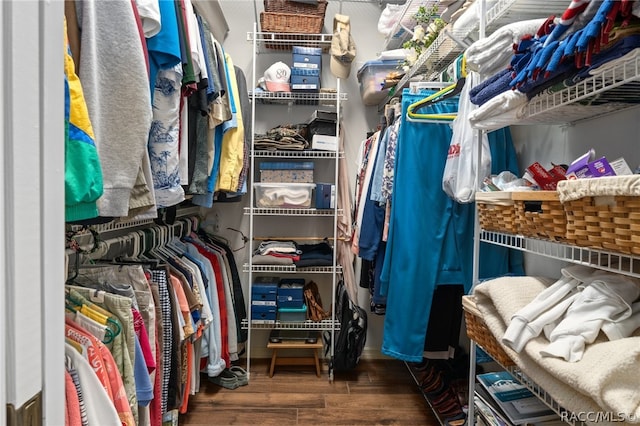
32	212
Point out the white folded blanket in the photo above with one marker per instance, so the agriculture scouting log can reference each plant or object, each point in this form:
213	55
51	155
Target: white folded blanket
493	53
605	379
569	190
500	111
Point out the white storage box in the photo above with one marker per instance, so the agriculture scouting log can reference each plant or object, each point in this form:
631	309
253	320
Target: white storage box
289	195
324	142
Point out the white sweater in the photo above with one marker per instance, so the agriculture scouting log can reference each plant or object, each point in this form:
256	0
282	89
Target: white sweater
574	309
546	308
607	298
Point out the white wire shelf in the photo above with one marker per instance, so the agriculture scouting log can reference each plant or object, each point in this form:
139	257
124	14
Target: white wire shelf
306	98
291	269
402	30
326	324
601	93
263	211
299	154
548	400
285	41
452	40
618	263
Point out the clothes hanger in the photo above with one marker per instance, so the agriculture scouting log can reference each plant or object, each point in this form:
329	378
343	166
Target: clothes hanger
441	95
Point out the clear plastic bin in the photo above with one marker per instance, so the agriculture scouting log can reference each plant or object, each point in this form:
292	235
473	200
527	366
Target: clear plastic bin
287	195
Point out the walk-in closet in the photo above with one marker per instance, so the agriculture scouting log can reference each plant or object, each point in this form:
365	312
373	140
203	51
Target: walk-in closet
340	212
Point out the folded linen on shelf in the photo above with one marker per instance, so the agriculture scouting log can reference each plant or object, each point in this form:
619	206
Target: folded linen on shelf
507	108
570	190
605	379
284	196
492	54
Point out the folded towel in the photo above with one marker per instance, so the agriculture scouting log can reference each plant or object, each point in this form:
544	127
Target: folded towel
491	87
500	111
490	54
569	190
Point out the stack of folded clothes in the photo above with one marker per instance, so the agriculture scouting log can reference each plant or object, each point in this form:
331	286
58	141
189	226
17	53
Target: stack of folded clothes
278	252
281	138
274	252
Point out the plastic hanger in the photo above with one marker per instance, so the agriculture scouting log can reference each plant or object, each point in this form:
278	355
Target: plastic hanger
446	93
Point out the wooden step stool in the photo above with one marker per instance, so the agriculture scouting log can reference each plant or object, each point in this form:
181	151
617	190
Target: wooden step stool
314	347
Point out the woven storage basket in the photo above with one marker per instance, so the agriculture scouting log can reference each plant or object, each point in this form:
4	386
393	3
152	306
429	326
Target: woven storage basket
496	211
286	6
540	214
478	332
291	23
605	222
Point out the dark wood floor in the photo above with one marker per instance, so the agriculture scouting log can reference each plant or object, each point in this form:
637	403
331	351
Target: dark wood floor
377	392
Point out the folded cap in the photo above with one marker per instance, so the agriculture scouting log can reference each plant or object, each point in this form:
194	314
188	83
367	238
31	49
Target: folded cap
343	49
276	77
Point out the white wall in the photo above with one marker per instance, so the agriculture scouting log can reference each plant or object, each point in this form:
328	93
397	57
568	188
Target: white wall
357	119
32	208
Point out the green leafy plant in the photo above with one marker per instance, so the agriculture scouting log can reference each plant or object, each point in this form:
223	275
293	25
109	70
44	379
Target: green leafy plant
428	26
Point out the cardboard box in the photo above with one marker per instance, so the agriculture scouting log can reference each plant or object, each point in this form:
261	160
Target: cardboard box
307	72
544	179
264	291
263	314
579	168
621	167
325	196
302	83
324	142
290	294
600	167
307	57
287	171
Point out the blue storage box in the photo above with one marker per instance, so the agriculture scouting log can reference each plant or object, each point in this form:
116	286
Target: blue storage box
289	302
263	314
304	50
307	57
292	314
307	72
264	291
290	293
325	196
301	83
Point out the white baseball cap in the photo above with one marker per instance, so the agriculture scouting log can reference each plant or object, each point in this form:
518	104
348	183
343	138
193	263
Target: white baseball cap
276	77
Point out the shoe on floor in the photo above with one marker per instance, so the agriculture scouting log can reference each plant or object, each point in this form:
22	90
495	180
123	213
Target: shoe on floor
241	374
226	379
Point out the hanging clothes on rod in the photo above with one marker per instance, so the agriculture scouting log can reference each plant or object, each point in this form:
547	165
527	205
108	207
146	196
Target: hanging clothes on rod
163	299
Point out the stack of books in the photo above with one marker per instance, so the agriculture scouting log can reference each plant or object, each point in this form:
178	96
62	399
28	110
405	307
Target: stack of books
503	401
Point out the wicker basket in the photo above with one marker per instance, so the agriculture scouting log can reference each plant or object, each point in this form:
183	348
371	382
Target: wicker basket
291	23
496	211
478	332
286	6
540	214
605	222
